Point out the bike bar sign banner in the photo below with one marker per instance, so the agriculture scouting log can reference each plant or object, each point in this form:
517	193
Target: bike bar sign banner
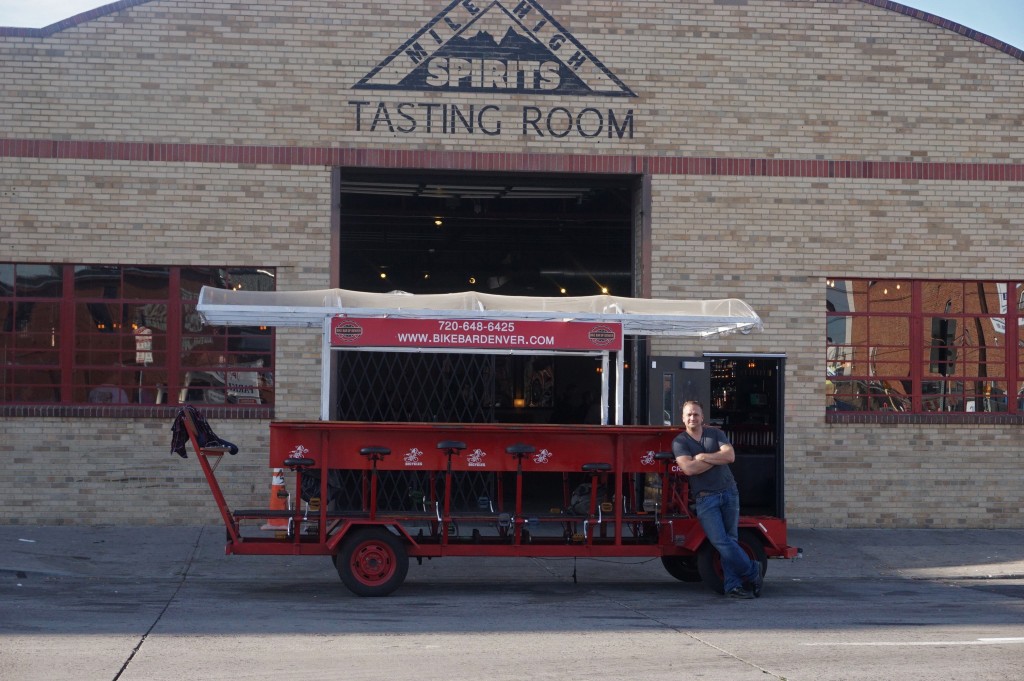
474	334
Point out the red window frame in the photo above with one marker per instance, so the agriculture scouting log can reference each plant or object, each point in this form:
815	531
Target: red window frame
924	347
129	336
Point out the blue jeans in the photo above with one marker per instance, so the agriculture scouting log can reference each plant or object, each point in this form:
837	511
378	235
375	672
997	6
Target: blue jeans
719	514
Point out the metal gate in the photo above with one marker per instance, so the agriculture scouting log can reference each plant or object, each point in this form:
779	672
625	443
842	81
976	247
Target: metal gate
409	388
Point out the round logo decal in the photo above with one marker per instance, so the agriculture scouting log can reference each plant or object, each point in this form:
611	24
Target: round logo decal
601	335
348	331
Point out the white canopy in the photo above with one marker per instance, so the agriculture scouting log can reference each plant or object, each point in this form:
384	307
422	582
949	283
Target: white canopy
638	316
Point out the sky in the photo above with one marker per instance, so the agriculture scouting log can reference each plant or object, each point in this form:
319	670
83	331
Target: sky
1002	19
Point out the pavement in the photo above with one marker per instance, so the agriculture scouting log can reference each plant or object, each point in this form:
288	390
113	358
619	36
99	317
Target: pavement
156	603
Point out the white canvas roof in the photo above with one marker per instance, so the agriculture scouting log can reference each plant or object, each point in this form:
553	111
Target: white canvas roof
638	316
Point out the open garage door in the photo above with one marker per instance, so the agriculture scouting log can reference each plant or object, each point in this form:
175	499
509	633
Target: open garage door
510	234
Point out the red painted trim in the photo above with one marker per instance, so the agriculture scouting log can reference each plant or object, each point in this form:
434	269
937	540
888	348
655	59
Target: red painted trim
147	152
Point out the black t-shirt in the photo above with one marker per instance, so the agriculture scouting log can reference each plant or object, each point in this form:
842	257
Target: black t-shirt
716	479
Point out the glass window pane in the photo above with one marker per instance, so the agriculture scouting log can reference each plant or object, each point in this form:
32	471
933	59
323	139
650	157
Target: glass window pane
193	279
984	396
248	279
896	370
839	329
31	385
845	295
888	396
888	331
102	386
98	281
151	315
668	387
889	295
102	318
847	395
118	337
146	282
27	318
983	298
38	281
6	279
839	360
942	296
984	362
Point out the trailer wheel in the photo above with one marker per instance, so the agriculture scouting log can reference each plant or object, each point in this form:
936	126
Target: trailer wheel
372	562
709	562
683	568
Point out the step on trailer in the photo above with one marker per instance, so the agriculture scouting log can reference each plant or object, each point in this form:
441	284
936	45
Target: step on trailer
373	495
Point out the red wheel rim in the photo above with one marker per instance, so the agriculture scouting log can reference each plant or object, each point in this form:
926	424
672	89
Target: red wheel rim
373	562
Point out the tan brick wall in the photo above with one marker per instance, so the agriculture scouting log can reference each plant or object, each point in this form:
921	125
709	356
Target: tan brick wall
772	78
772	242
793	79
93	470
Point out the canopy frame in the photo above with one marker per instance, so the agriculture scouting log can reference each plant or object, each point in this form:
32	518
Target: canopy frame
637	316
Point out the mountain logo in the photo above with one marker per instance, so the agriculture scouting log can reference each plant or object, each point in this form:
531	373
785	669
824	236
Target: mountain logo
480	46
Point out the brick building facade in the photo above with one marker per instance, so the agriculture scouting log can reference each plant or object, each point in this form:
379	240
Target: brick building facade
775	145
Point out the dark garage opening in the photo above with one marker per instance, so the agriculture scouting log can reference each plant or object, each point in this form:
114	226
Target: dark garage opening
510	234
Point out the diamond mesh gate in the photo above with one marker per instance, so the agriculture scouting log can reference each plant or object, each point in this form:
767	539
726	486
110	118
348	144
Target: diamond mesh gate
415	387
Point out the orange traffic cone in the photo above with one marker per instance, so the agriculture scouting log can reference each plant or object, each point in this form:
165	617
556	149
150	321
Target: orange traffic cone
278	501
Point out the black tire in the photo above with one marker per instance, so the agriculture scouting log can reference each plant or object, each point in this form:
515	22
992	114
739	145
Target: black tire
372	562
709	562
683	568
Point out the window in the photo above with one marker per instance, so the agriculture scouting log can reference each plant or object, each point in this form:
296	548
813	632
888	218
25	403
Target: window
127	335
923	346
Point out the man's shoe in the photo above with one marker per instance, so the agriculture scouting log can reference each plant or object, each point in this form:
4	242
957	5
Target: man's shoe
740	592
759	581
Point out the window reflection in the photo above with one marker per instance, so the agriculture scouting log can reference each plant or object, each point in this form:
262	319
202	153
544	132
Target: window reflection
961	365
116	339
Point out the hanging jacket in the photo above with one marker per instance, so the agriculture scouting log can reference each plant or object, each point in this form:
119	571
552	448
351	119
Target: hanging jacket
204	433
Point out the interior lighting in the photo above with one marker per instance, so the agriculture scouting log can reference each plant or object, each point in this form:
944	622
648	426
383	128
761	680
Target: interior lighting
472	280
438	222
383	275
604	290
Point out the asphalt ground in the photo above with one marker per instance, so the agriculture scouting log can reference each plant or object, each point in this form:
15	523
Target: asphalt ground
156	603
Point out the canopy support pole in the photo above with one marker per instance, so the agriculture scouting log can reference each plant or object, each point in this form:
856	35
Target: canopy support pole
620	386
605	368
325	371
